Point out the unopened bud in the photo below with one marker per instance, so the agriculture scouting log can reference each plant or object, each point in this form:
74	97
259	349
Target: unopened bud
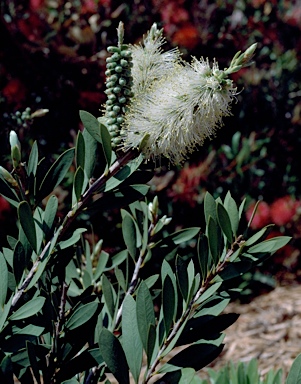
39	113
4	174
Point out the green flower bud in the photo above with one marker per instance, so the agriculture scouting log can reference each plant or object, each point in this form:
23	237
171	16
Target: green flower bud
15	149
124	63
117	90
4	174
112	49
118	69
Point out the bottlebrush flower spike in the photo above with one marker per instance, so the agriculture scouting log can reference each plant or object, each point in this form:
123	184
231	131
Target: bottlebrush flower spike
176	105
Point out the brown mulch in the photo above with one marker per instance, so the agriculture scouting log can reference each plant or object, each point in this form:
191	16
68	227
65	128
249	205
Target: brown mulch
268	329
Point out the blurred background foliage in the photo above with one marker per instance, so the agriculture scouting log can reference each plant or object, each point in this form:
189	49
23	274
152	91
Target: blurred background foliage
52	56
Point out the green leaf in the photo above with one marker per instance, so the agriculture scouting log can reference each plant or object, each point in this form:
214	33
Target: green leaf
5	312
129	233
73	239
169	303
108	296
241	208
224	222
8	193
27	223
99	132
183	235
49	214
270	245
131	342
33	160
91	154
30	329
117	259
203	256
209	207
81	315
33	361
209	292
80	150
151	280
6	367
120	278
233	213
196	356
256	236
182	276
3	280
151	342
101	264
114	356
91	124
123	174
19	261
29	309
213	239
145	312
78	183
106	143
56	173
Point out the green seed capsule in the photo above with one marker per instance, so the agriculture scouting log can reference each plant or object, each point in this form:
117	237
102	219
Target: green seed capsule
124	63
116	108
113	78
122	81
116	140
128	92
112	65
109	102
118	69
114	128
122	100
111	121
112	97
112	114
114	134
109	60
117	90
115	57
110	84
108	72
120	120
126	53
112	49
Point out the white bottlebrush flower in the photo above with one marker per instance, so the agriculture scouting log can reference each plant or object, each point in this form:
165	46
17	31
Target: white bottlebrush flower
150	63
176	105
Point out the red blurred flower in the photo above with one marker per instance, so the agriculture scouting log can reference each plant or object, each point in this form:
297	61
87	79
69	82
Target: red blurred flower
186	36
35	5
261	217
283	210
14	91
4	208
186	187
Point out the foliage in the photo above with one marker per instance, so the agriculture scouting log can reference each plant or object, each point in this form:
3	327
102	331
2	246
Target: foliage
68	307
243	373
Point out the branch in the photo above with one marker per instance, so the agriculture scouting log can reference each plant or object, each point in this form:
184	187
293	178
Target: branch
189	312
69	219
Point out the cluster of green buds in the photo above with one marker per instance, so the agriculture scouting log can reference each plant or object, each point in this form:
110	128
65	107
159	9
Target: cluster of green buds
22	118
118	86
